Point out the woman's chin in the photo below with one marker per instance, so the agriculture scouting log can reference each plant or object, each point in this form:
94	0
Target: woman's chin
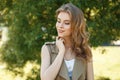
60	36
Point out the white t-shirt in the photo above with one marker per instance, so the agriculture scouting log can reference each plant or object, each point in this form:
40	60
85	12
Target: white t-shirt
70	65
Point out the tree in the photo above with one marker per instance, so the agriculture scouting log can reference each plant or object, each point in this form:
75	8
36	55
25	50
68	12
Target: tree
31	23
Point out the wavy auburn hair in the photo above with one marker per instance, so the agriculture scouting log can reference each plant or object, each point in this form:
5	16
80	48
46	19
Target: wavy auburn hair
79	36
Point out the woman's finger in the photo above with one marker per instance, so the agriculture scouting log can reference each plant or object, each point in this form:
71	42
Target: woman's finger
61	39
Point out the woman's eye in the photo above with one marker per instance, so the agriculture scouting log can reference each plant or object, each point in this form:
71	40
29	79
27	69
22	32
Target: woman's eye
58	21
67	23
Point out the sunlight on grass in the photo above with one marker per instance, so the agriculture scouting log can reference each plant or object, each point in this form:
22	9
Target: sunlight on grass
5	74
29	68
108	64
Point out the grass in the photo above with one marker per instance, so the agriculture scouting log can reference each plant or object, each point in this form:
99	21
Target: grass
106	66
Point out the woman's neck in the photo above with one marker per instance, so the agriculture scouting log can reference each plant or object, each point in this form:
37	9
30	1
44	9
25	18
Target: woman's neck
69	54
68	43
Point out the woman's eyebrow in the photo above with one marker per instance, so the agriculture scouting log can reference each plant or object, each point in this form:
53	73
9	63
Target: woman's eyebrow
67	20
64	20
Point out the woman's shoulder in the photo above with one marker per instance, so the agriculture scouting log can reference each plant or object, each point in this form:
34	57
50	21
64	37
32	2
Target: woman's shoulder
51	46
47	47
49	43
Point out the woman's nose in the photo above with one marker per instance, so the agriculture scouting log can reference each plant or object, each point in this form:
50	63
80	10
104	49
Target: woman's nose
61	25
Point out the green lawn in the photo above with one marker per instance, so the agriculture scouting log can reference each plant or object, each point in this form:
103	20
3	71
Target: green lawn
106	66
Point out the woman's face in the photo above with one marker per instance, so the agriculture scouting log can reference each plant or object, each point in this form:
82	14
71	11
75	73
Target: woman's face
63	25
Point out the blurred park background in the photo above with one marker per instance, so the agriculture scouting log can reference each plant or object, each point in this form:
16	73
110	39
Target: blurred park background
26	24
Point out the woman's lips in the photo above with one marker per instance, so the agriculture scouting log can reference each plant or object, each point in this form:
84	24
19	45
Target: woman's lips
60	31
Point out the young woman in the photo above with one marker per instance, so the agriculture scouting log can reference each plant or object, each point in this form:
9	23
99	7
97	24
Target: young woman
69	57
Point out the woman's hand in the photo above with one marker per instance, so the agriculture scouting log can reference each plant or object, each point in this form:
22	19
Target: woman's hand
60	44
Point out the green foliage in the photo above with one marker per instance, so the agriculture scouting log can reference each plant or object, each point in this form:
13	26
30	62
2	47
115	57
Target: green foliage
31	23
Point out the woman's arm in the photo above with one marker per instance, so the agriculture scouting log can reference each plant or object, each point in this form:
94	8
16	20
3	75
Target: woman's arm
90	71
49	72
